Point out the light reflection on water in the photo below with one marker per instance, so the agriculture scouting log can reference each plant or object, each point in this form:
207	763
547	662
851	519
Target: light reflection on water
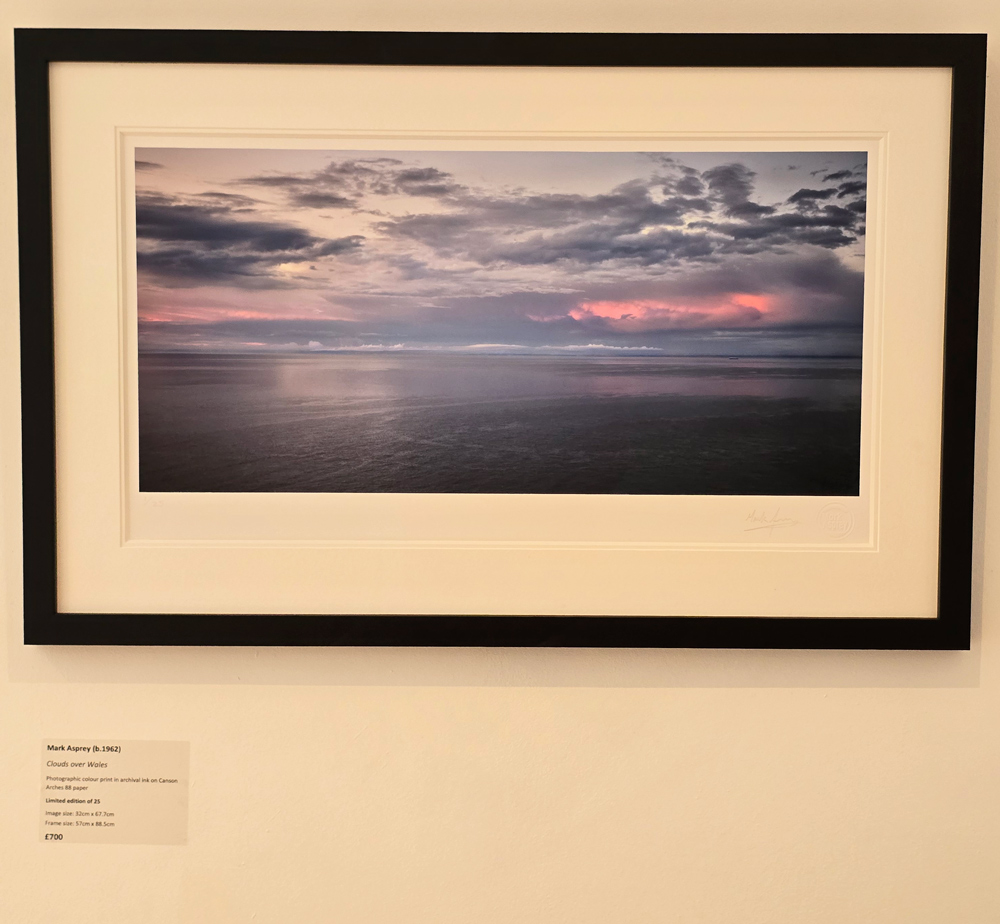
351	378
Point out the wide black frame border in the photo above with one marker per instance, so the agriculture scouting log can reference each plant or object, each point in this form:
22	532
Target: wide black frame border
964	54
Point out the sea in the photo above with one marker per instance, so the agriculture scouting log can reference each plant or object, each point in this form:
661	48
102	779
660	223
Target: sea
437	422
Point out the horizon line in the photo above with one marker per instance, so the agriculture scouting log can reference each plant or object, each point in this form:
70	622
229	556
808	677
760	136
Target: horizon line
526	354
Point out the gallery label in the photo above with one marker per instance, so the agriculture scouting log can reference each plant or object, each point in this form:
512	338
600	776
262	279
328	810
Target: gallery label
114	792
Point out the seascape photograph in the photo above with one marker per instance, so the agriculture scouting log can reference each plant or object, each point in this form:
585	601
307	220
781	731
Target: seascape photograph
500	322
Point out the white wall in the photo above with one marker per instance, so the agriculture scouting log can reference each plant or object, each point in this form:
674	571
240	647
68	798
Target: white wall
370	786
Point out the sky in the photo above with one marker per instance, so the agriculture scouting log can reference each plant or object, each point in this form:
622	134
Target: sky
501	252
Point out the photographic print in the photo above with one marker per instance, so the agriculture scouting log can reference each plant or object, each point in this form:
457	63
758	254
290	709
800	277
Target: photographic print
500	321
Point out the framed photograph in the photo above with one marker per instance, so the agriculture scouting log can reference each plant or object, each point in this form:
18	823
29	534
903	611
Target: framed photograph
498	339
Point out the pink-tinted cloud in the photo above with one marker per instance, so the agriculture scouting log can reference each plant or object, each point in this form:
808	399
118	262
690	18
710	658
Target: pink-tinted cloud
736	309
208	305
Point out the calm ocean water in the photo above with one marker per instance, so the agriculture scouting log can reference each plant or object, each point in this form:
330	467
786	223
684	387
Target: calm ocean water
435	422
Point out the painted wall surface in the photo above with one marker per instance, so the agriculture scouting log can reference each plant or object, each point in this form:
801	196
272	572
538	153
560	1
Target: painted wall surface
370	786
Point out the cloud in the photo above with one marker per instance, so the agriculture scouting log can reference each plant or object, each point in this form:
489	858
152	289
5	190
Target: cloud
322	200
629	225
681	214
425	181
788	300
732	185
689	186
232	201
342	183
856	187
664	260
811	195
829	226
732	310
193	241
162	218
590	245
768	291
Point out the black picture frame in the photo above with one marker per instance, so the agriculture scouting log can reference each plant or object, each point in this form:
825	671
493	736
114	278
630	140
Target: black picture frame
44	624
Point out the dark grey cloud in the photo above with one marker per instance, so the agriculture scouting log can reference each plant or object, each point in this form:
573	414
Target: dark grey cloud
425	181
200	266
732	185
338	245
690	186
278	181
830	226
160	218
193	242
806	198
811	195
321	200
854	188
147	165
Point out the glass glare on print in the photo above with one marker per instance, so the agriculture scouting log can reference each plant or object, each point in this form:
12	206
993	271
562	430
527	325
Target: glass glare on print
500	321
